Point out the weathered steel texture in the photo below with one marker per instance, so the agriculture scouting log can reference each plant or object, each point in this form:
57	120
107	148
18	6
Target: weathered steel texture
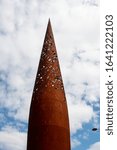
48	121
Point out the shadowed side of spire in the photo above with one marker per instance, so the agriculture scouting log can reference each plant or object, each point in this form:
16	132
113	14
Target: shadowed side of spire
48	120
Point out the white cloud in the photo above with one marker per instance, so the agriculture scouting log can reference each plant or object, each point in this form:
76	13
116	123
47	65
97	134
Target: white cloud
79	113
95	146
75	142
12	139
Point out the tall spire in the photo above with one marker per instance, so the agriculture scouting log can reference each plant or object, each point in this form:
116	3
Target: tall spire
48	121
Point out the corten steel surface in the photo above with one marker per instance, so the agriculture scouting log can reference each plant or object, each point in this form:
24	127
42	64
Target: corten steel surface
48	120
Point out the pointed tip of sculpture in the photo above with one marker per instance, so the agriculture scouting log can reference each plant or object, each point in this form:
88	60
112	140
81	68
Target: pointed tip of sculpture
49	28
49	22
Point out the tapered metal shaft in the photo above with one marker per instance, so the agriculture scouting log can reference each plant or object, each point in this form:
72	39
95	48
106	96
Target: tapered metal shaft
48	120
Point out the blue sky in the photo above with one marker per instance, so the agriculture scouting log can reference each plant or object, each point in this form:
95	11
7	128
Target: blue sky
76	29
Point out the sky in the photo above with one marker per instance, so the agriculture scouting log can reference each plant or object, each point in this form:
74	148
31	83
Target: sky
76	30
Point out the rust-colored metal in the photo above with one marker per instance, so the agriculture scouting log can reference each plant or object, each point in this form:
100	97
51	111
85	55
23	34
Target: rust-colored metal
48	121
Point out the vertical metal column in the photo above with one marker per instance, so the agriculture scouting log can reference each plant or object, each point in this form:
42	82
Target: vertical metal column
48	120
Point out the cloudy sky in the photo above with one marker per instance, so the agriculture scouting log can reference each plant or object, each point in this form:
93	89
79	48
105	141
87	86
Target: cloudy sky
76	31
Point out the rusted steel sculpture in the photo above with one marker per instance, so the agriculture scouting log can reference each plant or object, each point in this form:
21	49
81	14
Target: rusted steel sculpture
48	121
